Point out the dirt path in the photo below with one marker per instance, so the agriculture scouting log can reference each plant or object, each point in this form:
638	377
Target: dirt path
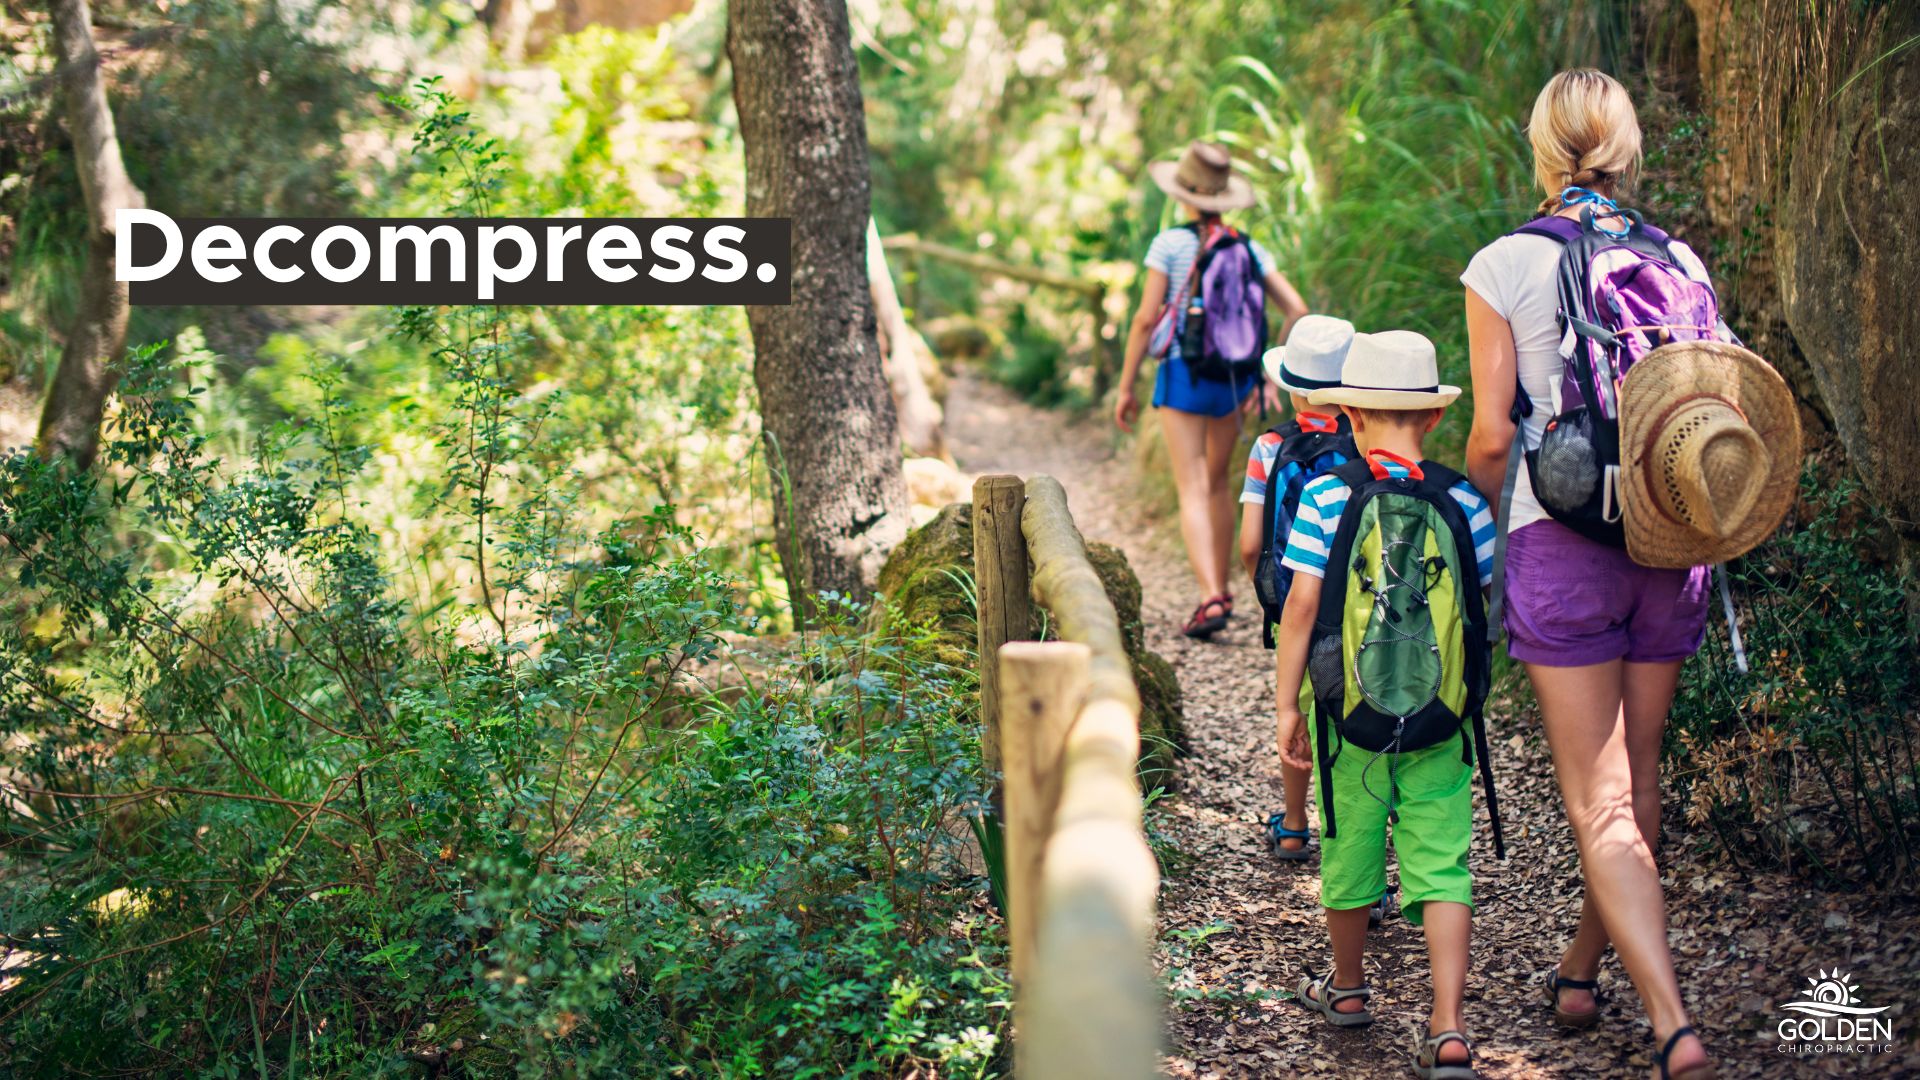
1238	927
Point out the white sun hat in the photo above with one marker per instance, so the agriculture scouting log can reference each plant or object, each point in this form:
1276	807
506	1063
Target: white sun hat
1312	357
1394	369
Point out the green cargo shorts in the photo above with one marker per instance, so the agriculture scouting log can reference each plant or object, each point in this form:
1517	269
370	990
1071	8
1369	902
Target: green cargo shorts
1435	802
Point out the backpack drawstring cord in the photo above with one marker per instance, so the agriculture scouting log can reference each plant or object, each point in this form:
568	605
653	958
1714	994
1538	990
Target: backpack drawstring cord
1392	753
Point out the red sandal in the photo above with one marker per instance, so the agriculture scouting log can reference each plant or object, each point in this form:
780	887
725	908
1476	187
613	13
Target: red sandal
1204	623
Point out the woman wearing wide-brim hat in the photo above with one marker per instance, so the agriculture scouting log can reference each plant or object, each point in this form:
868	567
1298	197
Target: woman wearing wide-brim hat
1200	416
1709	449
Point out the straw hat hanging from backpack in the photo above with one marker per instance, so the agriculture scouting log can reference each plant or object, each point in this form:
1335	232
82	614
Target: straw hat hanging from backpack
1710	453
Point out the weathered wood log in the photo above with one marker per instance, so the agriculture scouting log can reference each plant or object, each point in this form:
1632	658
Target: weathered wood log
902	354
1094	1006
986	264
1091	1005
1000	590
1042	688
1065	584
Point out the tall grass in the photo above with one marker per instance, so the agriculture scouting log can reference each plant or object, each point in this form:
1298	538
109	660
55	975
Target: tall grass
1384	165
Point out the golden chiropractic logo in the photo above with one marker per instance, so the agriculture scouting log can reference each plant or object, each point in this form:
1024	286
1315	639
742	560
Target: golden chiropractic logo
1830	1019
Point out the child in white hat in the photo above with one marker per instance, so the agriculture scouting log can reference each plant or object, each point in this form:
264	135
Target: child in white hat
1281	464
1390	556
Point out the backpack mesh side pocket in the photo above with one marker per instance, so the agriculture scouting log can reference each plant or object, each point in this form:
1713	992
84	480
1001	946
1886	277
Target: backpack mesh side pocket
1325	668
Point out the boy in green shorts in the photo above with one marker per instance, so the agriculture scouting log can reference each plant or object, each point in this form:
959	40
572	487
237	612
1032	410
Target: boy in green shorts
1399	663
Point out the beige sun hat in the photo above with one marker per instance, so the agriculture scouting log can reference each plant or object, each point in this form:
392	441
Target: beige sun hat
1203	178
1709	451
1394	369
1314	352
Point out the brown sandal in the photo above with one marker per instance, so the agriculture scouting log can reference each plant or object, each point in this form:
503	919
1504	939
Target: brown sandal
1203	623
1565	1017
1702	1071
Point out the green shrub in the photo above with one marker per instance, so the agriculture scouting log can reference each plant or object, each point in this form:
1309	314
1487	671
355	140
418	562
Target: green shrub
290	798
272	818
1808	761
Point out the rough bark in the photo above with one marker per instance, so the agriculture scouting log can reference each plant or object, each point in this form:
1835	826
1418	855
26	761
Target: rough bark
902	354
839	501
89	361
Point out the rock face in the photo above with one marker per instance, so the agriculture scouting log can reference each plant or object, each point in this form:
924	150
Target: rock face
925	579
1813	114
1848	257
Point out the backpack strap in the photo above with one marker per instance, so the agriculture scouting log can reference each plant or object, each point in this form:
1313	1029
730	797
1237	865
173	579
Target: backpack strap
1323	757
1356	474
1439	476
1497	598
1486	780
1441	480
1553	227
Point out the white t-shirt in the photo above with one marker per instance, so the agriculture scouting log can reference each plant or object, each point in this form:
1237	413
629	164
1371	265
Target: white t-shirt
1518	276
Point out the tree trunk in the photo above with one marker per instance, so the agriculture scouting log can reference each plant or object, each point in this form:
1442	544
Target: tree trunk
89	363
840	503
508	23
902	354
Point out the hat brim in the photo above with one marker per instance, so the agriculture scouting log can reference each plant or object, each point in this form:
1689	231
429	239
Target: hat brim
1689	369
1238	195
1274	363
1361	397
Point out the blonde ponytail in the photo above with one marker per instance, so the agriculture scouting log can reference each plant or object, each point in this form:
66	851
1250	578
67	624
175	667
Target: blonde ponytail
1584	134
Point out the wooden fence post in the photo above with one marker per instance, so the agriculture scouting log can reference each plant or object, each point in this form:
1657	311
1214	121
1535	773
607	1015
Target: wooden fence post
1043	685
1000	579
1106	364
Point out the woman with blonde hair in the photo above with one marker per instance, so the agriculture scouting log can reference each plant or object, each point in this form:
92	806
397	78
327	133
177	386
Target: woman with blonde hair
1200	407
1601	636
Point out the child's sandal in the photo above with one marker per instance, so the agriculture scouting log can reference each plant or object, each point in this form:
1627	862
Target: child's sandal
1382	909
1277	833
1320	995
1428	1065
1567	1018
1702	1071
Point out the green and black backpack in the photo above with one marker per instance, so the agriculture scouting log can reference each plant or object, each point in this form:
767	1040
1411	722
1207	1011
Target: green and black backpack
1399	658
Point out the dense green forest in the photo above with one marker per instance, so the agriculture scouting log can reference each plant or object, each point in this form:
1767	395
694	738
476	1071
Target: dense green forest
434	691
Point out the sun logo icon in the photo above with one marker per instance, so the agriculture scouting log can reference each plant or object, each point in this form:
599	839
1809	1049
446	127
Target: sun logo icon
1833	993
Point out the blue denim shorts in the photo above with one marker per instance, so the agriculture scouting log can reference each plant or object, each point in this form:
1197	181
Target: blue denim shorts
1176	387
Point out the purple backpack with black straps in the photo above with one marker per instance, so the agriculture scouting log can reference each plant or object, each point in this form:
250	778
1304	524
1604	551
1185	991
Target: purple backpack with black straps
1623	294
1226	339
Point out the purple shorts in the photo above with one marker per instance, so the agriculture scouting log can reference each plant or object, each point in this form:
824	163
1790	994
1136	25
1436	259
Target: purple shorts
1572	601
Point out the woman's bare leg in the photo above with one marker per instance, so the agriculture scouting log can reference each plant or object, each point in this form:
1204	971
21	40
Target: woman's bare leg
1648	695
1190	445
1223	437
1585	718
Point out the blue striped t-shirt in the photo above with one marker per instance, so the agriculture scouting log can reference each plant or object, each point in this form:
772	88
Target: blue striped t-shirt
1325	499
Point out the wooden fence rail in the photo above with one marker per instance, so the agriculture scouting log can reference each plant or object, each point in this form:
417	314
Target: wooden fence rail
1109	341
1081	880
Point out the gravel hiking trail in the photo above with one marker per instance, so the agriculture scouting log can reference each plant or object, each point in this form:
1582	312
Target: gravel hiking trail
1238	927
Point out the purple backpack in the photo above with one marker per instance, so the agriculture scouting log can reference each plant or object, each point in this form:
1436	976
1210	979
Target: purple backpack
1225	339
1623	294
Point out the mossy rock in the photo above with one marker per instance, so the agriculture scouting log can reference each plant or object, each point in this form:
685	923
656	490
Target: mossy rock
1163	730
928	583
